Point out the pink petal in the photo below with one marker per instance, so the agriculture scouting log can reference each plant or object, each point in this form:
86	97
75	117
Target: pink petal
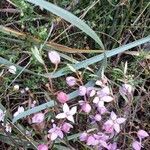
101	104
142	134
61	116
42	147
60	134
53	136
113	116
120	120
103	143
65	108
107	98
136	145
96	100
117	127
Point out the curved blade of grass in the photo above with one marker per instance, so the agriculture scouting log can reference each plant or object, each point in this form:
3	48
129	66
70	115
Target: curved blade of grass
33	110
68	17
97	58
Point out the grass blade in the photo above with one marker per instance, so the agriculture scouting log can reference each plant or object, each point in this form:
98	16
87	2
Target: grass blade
68	17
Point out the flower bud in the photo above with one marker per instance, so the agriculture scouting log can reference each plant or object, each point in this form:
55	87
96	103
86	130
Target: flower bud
86	107
71	81
16	87
66	127
54	57
12	69
38	118
42	147
82	90
62	97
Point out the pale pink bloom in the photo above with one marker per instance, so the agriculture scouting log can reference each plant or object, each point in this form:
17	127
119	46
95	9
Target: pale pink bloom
82	90
92	141
136	145
42	147
62	97
103	92
71	81
2	114
114	122
55	132
66	127
142	134
97	117
126	89
90	91
38	118
112	146
12	69
98	102
102	110
83	136
67	113
108	128
85	106
20	110
54	57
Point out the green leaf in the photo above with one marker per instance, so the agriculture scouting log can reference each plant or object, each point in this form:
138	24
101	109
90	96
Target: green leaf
33	110
97	58
68	17
37	54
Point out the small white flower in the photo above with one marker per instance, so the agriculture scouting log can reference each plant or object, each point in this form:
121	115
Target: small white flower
54	57
67	113
2	114
8	127
16	87
12	69
20	110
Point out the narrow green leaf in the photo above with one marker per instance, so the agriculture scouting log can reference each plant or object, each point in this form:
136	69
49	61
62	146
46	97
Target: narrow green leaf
37	54
68	17
97	58
33	110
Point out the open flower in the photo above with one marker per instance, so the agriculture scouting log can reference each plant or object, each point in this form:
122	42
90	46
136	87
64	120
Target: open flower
67	113
85	106
38	118
42	147
20	110
114	122
55	132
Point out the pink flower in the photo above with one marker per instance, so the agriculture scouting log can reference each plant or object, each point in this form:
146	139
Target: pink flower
71	81
85	106
90	91
136	145
82	90
54	57
62	97
67	113
108	128
55	132
103	92
142	134
38	118
112	146
42	147
97	117
83	136
114	122
66	127
92	141
126	89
